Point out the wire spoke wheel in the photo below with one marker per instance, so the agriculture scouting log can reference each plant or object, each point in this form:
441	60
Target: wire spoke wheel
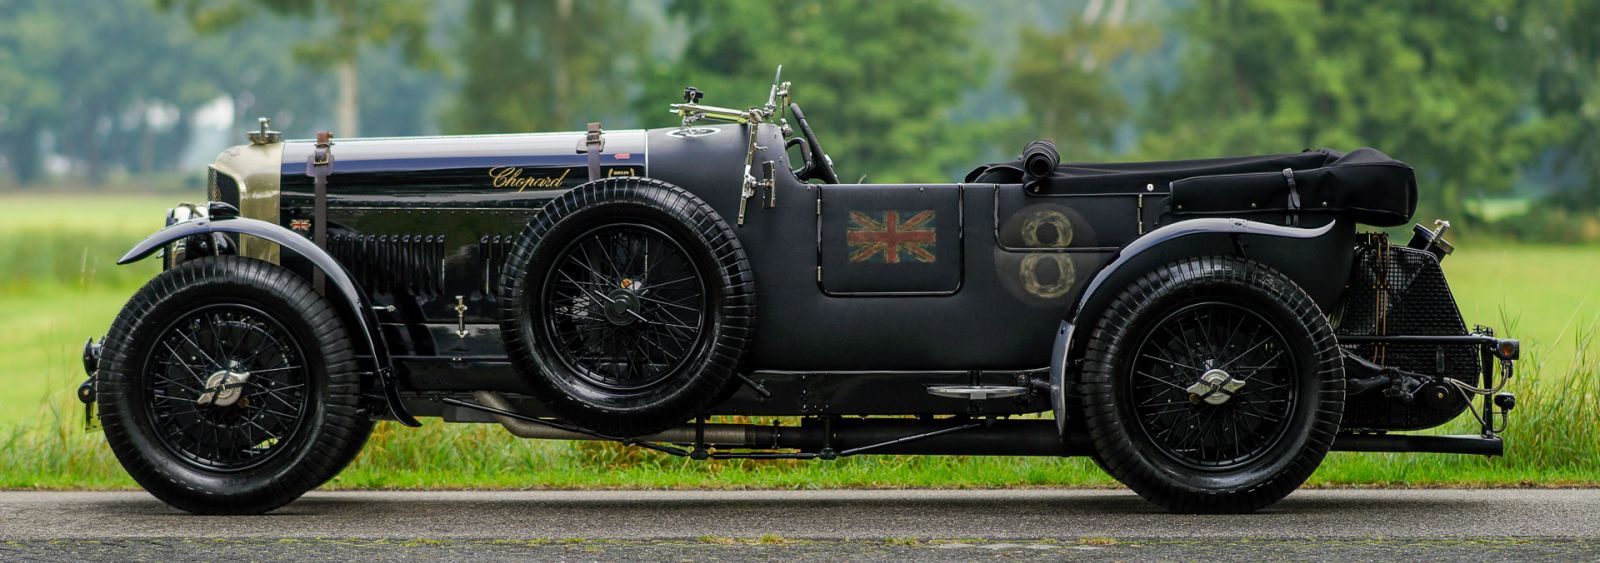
627	305
624	306
1212	385
226	387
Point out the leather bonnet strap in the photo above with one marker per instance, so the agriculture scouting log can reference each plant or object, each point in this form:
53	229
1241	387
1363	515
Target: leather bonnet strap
594	141
319	166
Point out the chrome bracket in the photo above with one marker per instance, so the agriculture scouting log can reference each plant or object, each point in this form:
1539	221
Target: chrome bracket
461	316
692	111
770	170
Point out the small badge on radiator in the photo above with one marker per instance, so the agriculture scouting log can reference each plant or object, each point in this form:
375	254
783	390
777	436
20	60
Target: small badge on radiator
300	224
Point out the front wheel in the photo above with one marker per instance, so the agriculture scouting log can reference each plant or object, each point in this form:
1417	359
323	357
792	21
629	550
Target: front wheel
1212	385
228	386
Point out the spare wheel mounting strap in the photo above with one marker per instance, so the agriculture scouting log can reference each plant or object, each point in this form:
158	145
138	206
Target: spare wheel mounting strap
594	141
1293	218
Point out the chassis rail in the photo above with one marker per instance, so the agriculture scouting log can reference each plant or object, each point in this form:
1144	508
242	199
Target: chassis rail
833	436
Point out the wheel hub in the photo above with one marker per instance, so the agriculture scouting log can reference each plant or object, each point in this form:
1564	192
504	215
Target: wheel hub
1214	388
623	307
224	387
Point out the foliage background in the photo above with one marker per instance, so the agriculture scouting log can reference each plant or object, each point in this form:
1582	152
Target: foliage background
1492	100
109	110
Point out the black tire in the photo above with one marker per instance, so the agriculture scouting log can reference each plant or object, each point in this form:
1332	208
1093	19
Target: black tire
1166	331
596	338
292	427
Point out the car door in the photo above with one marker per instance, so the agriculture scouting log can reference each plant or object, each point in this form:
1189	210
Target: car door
890	240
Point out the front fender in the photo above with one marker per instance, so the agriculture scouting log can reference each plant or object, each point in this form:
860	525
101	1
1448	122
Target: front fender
353	296
1159	247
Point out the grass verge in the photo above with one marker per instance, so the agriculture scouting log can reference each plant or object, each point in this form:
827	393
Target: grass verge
59	287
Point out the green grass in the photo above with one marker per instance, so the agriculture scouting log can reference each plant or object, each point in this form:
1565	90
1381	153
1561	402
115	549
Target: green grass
59	286
1495	209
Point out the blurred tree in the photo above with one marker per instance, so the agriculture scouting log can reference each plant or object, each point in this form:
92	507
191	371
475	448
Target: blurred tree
29	45
341	29
1064	78
1563	41
1440	85
102	83
878	80
544	65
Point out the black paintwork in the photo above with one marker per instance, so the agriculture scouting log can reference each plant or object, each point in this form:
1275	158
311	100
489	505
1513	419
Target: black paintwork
424	224
419	222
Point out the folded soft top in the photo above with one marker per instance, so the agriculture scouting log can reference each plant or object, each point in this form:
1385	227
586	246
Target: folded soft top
1364	184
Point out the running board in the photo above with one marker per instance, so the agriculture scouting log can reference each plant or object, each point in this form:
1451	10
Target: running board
1413	443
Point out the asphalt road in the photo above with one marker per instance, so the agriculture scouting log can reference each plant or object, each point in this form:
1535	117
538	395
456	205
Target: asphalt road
816	525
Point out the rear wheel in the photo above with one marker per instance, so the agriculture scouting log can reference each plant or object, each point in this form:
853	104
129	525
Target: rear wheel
1212	385
227	386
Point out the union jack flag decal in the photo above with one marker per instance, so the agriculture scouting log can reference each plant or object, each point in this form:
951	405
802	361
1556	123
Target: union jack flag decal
885	238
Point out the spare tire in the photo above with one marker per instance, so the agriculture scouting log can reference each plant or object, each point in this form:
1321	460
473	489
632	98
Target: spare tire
626	305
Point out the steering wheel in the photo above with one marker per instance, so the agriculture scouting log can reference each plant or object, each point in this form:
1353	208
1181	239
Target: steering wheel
818	165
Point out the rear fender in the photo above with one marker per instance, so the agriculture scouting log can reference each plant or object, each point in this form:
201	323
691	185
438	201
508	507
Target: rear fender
350	294
1317	258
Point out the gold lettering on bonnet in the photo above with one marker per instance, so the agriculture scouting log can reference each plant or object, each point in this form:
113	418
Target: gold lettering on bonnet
511	177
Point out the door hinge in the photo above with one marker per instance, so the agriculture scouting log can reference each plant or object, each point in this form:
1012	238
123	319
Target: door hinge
819	207
1140	214
819	274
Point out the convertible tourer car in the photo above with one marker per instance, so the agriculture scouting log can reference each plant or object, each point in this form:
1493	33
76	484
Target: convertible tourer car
1205	330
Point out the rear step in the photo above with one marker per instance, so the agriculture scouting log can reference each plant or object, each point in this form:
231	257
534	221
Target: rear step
1470	444
977	392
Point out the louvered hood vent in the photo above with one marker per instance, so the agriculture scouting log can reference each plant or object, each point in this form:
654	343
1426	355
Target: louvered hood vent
393	263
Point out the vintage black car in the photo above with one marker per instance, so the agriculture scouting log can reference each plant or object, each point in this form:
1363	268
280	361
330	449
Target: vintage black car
1206	330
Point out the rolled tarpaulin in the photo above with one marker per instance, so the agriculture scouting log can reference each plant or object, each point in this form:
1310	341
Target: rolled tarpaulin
1039	160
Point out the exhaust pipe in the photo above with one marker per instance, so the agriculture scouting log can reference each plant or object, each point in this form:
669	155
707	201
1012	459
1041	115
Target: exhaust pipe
880	436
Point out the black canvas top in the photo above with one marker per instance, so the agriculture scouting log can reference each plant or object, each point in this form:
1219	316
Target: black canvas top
1364	184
